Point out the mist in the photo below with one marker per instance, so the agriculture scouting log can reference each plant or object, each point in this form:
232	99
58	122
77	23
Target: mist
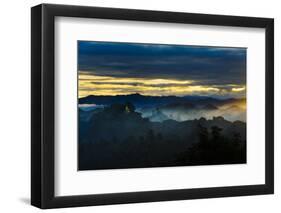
230	111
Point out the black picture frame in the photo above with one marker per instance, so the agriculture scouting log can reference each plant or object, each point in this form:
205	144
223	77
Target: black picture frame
43	111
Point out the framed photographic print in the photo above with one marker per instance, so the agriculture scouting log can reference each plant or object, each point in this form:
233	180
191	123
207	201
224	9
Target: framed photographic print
139	106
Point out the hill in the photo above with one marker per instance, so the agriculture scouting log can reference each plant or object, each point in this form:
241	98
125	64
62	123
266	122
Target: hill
119	137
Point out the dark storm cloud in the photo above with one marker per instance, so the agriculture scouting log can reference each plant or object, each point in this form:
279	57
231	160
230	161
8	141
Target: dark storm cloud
209	65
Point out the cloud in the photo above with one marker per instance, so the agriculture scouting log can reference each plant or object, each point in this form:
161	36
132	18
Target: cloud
207	65
100	85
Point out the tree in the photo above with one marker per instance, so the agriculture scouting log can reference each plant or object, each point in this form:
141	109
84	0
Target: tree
116	108
237	139
150	136
129	107
203	135
216	133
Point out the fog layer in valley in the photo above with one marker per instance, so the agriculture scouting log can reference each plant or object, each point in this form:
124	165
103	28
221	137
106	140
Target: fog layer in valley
236	110
135	131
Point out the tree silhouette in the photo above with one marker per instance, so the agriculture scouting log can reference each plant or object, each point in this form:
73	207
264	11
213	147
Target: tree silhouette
129	107
237	138
119	137
203	136
215	149
216	133
150	136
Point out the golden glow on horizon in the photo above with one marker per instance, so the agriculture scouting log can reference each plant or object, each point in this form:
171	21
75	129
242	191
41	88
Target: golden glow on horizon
144	81
239	89
107	85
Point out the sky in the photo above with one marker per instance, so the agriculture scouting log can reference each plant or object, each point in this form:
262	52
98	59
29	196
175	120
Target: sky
115	68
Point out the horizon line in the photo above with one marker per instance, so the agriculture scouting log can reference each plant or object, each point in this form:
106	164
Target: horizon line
217	97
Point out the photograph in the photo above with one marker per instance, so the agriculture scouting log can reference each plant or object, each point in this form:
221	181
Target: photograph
159	105
135	105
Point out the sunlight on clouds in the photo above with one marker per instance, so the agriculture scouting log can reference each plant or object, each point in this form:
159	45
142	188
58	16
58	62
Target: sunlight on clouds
113	80
107	85
239	89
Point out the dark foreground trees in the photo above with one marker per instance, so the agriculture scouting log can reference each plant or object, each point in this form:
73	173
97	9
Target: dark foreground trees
118	137
214	148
